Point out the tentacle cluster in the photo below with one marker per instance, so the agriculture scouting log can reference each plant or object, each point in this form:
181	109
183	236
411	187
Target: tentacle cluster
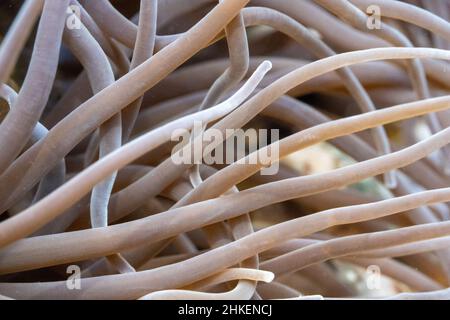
356	201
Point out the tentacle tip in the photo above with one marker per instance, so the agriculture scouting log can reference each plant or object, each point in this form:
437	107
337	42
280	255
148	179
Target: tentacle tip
267	65
268	276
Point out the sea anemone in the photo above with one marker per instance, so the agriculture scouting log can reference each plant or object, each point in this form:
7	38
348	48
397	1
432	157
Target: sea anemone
315	139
